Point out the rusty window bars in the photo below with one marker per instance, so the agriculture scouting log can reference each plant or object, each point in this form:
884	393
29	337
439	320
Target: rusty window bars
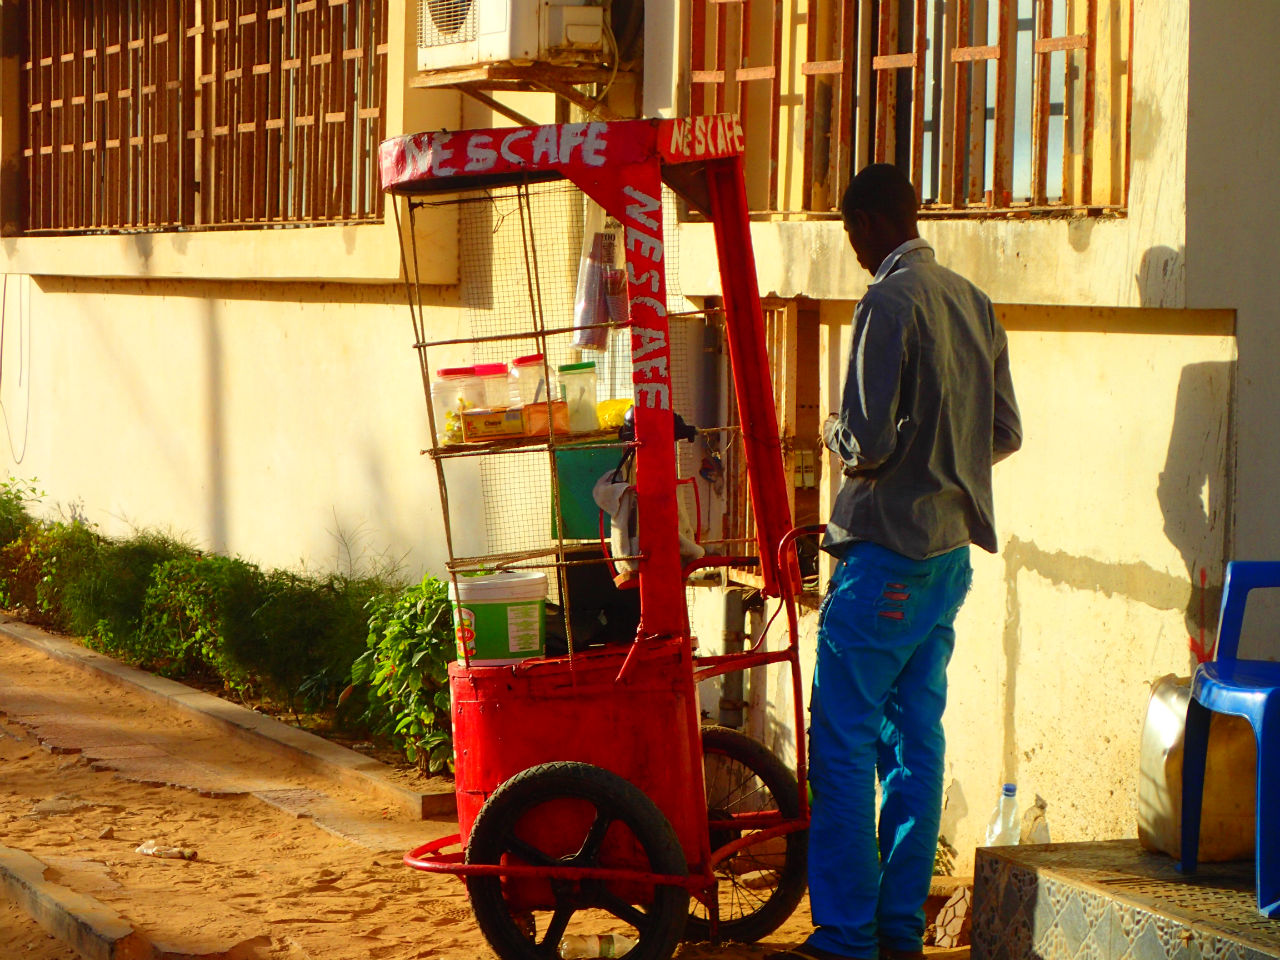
994	106
198	114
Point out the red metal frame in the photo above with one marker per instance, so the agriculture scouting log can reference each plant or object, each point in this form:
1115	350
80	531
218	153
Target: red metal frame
621	165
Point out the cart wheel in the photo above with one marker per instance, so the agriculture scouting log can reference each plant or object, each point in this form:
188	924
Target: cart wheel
759	886
599	820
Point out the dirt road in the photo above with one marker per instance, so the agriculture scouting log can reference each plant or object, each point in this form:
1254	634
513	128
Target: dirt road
266	884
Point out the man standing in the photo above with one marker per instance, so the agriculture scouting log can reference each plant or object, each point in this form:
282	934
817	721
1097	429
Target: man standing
927	408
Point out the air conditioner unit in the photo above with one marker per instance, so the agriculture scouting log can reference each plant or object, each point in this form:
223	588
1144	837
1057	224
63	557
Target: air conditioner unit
461	33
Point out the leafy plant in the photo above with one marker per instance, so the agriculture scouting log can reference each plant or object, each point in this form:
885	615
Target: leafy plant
191	606
405	667
15	517
36	568
103	599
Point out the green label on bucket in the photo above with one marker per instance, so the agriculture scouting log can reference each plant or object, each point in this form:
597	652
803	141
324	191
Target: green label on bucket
502	630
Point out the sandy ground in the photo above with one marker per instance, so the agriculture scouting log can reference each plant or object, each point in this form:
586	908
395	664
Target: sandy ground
21	938
274	885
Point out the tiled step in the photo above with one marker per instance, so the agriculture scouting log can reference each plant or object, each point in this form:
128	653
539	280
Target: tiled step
1114	901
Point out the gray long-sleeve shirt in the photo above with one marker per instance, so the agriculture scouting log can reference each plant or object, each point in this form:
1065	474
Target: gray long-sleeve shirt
927	408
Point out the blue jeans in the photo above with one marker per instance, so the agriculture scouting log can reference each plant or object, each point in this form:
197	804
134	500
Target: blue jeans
885	636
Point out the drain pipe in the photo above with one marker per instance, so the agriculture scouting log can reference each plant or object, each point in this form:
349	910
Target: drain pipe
734	641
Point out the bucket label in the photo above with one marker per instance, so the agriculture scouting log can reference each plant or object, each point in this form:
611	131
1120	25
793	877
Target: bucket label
466	632
524	622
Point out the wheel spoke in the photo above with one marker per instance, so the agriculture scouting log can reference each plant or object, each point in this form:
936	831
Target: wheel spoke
620	908
529	853
589	853
555	930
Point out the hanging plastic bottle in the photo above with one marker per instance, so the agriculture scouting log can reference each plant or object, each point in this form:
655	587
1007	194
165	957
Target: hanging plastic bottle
574	946
1002	828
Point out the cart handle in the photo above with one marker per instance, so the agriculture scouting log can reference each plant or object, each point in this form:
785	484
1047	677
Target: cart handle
785	544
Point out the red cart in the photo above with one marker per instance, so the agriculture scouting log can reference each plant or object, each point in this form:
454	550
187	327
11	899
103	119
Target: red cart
591	796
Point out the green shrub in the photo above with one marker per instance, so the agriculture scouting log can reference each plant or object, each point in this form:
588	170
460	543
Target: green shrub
303	636
191	605
15	518
37	567
405	668
103	599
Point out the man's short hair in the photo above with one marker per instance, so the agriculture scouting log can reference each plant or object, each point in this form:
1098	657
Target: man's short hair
881	188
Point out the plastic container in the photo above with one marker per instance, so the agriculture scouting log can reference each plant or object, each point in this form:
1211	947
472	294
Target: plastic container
497	393
1002	828
1230	778
500	617
578	390
580	946
454	390
528	382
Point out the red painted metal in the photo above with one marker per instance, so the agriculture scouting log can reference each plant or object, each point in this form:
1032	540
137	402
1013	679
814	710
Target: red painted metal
509	718
632	711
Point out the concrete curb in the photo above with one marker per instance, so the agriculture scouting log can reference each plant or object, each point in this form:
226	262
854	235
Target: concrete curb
344	766
93	930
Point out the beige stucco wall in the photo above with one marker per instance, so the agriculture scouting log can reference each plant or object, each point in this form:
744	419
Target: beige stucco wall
1123	492
282	422
1106	516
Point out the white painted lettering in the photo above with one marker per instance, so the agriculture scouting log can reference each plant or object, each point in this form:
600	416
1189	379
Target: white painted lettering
649	275
509	141
700	135
571	135
654	365
544	145
655	395
417	156
439	154
640	210
647	246
479	156
594	146
646	340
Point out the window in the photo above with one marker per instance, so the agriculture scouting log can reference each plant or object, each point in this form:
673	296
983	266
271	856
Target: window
172	114
791	342
992	105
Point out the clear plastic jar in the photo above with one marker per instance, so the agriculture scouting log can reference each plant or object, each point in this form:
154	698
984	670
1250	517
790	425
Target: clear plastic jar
493	377
528	382
578	390
453	390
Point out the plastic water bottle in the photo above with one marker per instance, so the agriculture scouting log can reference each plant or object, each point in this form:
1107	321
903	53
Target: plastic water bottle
1002	828
575	947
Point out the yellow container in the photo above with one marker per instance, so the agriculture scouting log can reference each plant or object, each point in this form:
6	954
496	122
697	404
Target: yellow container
1230	779
492	423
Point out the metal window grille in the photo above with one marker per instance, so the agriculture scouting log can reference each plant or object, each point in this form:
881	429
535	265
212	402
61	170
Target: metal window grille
172	114
992	105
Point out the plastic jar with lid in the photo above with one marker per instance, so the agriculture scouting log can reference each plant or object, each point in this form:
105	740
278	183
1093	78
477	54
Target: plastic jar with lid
453	390
528	383
578	390
493	377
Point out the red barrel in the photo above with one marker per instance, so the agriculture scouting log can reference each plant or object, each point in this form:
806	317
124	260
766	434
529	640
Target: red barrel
643	727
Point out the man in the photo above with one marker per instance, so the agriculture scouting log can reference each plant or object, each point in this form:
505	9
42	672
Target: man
927	408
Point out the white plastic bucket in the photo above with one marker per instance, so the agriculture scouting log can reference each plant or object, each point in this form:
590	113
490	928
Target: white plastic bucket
500	617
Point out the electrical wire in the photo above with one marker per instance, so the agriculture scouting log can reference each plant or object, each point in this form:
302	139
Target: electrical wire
22	363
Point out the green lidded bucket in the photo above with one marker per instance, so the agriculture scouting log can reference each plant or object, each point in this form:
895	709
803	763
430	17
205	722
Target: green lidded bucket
500	617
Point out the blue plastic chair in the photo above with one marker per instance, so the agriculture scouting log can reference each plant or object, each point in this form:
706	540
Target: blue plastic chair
1243	688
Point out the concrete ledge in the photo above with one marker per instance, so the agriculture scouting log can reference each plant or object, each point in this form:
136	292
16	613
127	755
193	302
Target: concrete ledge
87	926
345	766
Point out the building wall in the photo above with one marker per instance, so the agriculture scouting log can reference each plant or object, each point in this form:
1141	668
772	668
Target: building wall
253	391
1233	138
1121	499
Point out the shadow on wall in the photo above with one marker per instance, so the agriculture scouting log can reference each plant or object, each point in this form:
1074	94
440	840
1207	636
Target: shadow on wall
1192	490
215	400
